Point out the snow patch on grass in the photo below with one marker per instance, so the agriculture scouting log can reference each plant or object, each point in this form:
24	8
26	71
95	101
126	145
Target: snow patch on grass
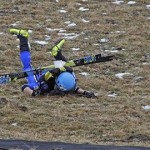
41	42
120	75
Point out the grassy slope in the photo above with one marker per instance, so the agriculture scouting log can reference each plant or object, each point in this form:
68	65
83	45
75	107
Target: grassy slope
120	120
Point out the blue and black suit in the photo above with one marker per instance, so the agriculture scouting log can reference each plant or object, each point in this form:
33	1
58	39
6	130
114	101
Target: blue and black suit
35	81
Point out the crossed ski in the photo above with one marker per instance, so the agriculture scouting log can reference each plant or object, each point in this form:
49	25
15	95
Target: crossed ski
9	77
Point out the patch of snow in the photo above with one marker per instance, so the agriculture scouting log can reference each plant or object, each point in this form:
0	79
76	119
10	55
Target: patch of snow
104	13
96	44
131	2
67	22
48	20
62	11
1	33
83	9
85	21
75	49
15	10
96	94
30	31
84	73
117	32
120	75
62	30
147	107
57	1
112	95
14	24
148	6
56	29
68	35
103	40
47	37
146	63
14	124
118	2
71	24
112	51
138	79
41	42
79	4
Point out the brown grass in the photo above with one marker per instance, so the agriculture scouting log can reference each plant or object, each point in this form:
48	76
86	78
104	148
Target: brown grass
105	120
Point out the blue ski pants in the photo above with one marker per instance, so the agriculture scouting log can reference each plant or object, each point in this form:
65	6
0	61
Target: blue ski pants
25	58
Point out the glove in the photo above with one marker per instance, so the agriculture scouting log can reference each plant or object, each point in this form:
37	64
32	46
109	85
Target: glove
89	94
36	92
69	69
57	71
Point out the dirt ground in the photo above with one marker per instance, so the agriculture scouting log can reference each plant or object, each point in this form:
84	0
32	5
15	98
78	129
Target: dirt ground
120	114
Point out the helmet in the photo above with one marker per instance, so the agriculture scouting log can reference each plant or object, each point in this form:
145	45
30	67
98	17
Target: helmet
66	81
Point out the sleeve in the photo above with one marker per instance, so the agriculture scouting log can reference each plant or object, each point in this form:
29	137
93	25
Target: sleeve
54	73
46	76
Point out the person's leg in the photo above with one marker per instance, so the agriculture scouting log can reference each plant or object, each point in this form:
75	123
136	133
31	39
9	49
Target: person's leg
25	58
25	55
56	50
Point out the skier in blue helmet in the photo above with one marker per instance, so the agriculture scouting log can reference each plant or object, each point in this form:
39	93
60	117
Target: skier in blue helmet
60	80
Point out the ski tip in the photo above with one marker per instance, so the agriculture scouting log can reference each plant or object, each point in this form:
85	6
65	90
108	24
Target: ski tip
109	58
4	80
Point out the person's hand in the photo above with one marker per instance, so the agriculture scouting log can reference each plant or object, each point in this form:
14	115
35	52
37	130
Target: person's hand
89	94
36	92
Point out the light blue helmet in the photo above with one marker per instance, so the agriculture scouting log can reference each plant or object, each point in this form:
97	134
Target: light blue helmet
66	81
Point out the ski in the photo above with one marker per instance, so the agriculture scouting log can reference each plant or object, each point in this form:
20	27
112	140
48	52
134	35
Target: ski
9	77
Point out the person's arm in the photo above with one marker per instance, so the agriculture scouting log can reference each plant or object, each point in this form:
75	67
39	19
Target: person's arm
57	71
28	91
85	93
54	73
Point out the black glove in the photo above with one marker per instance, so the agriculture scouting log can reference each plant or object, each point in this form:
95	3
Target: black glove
55	72
36	92
69	69
89	94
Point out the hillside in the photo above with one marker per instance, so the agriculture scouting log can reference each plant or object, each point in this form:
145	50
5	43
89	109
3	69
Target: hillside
120	114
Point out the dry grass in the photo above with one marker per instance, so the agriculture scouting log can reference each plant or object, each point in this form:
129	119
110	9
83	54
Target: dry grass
119	120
